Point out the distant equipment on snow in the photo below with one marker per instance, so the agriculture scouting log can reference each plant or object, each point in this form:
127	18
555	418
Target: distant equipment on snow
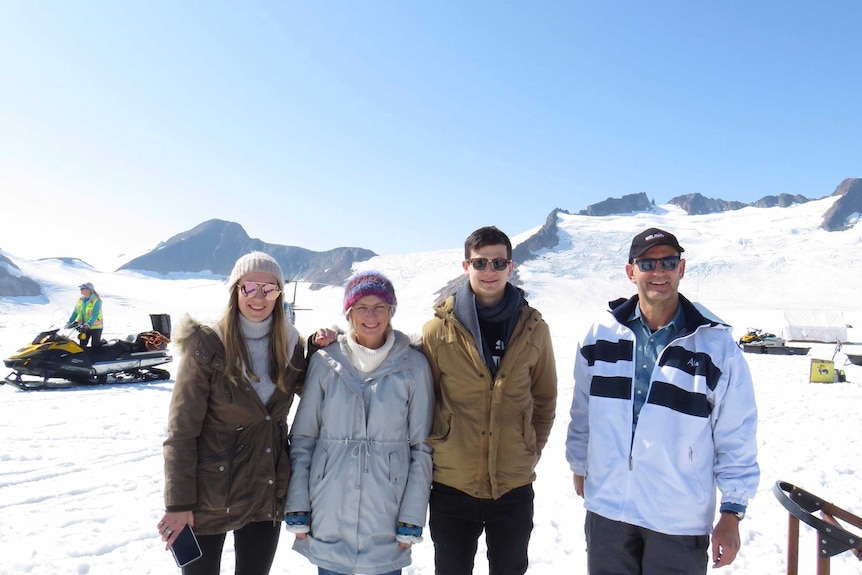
826	326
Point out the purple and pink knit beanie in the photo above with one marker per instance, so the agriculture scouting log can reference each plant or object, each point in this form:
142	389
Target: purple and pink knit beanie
368	283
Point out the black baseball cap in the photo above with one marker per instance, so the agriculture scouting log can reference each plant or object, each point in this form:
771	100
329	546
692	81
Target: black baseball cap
650	238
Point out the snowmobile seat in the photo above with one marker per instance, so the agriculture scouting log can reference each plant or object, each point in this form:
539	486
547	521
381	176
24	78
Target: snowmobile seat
123	345
108	350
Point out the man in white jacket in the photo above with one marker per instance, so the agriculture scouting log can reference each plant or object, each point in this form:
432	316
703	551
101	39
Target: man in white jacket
663	413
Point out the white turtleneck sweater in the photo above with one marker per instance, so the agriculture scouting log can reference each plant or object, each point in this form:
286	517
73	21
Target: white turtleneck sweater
365	359
256	335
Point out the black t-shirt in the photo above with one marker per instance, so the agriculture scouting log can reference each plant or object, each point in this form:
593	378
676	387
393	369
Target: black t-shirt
493	339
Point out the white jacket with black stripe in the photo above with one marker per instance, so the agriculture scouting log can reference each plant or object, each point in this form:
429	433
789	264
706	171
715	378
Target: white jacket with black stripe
695	432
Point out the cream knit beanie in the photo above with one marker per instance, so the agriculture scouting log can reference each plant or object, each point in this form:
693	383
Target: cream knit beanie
255	262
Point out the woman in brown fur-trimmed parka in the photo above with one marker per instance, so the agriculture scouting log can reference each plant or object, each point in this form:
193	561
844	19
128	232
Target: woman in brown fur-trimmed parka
226	454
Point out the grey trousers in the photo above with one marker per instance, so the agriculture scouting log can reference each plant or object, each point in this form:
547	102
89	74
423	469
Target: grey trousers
616	548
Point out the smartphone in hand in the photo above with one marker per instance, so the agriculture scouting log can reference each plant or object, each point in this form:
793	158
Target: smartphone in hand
185	547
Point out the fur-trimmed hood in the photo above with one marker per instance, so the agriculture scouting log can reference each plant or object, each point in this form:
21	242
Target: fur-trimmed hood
186	328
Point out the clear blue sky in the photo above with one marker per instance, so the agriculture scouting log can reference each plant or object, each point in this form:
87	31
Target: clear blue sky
402	126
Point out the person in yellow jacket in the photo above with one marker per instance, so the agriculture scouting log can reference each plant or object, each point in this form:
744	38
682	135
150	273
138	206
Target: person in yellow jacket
87	316
495	382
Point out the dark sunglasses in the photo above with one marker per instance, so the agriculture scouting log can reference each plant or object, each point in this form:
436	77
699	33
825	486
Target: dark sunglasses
268	291
648	264
479	264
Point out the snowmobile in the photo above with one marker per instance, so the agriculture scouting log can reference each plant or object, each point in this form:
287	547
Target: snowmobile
760	337
759	341
55	360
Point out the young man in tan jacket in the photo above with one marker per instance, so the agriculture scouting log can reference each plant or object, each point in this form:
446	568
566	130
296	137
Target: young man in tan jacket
495	383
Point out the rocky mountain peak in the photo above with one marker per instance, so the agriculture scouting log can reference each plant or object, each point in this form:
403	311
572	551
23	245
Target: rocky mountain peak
847	209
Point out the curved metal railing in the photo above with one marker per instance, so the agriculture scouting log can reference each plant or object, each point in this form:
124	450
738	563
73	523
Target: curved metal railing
832	537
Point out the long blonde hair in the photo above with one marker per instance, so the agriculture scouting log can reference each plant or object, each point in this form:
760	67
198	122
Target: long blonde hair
237	361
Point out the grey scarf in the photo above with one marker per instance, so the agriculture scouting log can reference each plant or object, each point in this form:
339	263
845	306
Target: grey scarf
469	313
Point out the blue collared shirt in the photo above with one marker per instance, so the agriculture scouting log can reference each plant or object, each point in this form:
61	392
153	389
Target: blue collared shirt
648	345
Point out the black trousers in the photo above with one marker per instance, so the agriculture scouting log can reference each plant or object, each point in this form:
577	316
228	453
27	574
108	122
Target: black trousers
254	546
457	520
616	548
94	336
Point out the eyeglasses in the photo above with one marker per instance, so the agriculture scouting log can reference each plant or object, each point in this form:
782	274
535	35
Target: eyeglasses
479	264
648	264
366	310
268	291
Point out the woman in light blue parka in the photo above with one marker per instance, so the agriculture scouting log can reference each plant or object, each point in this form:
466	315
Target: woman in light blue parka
361	470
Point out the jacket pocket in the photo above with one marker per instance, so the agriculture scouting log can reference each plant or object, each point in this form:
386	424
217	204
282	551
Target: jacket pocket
528	432
440	432
282	461
216	474
317	472
452	450
398	470
696	466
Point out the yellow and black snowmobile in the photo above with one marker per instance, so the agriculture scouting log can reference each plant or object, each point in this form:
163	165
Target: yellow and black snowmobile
761	337
55	360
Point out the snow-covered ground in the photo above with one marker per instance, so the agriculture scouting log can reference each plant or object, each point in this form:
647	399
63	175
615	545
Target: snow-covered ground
81	469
